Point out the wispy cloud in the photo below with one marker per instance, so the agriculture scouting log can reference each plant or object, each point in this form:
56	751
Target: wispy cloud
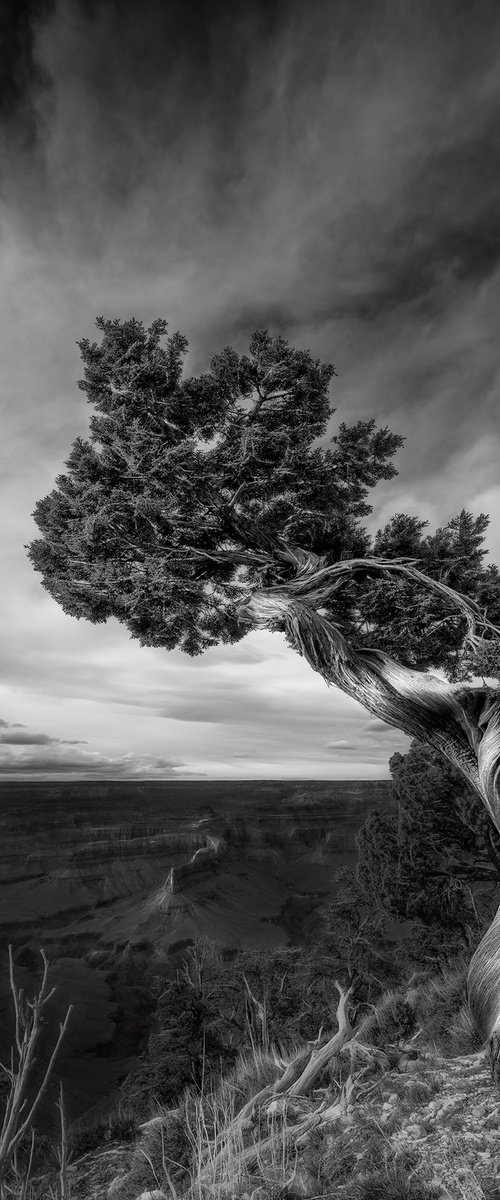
342	745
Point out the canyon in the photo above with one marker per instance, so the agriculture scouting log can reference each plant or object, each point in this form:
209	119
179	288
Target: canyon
110	877
111	864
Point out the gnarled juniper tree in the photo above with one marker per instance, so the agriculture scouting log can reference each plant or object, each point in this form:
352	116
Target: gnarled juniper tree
202	507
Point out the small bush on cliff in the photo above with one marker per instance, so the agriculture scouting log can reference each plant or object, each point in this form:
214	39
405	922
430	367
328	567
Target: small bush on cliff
186	1043
442	1011
119	1126
393	1019
422	860
353	933
380	1186
162	1149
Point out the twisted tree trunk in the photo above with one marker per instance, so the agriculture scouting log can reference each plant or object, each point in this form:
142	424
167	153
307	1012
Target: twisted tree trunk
462	721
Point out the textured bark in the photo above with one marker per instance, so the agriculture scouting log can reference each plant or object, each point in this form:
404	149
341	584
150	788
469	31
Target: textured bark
323	1054
462	721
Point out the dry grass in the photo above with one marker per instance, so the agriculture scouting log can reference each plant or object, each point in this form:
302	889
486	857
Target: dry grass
230	1160
442	1010
459	1181
203	1152
392	1019
217	1146
197	1149
390	1184
252	1071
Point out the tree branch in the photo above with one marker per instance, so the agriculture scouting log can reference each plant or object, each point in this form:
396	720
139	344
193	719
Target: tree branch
464	724
317	583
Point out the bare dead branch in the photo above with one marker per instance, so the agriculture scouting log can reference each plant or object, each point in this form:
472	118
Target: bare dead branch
16	1121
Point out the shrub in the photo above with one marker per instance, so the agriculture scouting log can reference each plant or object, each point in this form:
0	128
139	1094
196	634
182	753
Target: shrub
120	1126
380	1185
393	1019
338	1163
251	1072
463	1037
442	1011
162	1149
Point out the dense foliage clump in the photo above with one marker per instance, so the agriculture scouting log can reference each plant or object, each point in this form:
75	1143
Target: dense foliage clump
436	857
188	492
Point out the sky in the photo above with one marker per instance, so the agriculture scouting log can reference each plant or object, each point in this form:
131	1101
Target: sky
328	170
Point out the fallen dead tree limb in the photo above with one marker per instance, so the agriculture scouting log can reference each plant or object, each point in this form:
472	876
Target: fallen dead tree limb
296	1080
335	1112
322	1056
279	1088
257	1151
289	1136
292	1072
301	1073
372	1055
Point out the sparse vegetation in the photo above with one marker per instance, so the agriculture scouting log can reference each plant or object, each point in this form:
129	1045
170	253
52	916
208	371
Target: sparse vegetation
120	1124
426	858
19	1109
244	1136
254	1130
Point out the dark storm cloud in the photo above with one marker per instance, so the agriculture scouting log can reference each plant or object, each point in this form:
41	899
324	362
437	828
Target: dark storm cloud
331	170
21	76
26	739
35	739
313	116
87	764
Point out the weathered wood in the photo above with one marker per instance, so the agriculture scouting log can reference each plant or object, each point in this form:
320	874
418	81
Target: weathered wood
256	1016
319	1058
295	1081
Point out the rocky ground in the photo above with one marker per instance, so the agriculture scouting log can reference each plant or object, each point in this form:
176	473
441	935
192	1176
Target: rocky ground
438	1118
441	1114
